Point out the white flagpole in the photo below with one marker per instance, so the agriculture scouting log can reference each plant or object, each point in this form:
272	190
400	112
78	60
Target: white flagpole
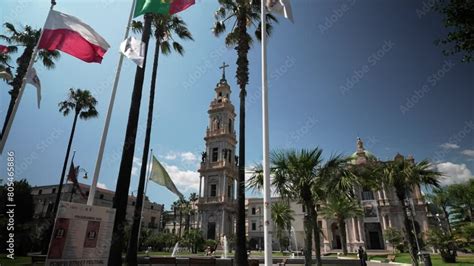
267	237
3	141
144	196
103	140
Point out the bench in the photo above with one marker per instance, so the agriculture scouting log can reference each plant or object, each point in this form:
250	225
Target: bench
391	257
168	261
202	261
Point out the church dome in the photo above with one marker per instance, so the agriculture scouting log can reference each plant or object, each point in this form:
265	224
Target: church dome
362	153
369	155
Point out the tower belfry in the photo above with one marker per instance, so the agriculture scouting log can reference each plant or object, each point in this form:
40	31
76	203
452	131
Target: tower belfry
218	169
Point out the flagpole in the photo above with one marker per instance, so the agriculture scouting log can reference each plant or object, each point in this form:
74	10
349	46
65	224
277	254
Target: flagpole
22	88
103	140
267	237
144	195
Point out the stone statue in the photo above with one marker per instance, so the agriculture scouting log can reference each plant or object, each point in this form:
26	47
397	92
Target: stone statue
360	145
203	156
236	160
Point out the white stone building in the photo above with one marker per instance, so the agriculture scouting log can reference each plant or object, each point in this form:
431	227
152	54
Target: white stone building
44	198
217	202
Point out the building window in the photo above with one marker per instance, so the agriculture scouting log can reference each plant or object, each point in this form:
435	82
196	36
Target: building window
254	211
40	192
101	196
133	203
229	191
303	208
215	154
213	190
367	195
230	125
151	207
254	226
54	190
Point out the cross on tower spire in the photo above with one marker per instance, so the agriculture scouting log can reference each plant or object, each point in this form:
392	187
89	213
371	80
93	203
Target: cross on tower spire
224	65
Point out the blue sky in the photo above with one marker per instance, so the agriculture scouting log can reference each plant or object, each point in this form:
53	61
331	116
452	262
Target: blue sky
344	69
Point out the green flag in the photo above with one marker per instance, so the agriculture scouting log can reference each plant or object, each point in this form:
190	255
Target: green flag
167	7
161	177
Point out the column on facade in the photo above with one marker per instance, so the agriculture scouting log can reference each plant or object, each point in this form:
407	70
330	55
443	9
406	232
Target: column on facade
223	189
223	221
359	226
384	222
200	186
354	232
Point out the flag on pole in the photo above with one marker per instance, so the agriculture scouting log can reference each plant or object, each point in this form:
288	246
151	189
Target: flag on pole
34	80
72	177
134	50
161	177
3	49
161	6
72	36
281	7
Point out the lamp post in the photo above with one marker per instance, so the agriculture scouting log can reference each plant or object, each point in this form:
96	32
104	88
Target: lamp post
73	185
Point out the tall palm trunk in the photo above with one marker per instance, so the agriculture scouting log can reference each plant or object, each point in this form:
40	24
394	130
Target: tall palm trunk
66	159
317	234
23	62
242	79
133	244
409	236
308	229
174	220
126	163
180	221
342	231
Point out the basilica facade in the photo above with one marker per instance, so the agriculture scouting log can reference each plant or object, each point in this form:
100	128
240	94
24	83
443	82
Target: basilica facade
216	206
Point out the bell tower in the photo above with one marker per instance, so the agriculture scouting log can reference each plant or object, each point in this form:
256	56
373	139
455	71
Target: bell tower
218	169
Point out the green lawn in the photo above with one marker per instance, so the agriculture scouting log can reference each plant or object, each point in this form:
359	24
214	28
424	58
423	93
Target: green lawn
17	261
435	259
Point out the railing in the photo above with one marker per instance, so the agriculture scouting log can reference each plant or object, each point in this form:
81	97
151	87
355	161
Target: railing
218	164
219	131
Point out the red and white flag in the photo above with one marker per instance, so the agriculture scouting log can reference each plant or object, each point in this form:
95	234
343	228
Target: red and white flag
72	36
3	49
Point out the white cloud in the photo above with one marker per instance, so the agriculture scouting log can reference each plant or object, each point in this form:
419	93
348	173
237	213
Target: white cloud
469	153
453	173
101	185
185	180
448	146
137	163
188	157
171	156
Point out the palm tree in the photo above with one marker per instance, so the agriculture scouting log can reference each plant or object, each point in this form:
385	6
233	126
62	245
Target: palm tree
164	28
82	104
282	216
404	176
242	15
295	173
340	207
27	38
442	202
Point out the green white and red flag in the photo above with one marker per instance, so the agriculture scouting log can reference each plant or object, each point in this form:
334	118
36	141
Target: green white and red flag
167	7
